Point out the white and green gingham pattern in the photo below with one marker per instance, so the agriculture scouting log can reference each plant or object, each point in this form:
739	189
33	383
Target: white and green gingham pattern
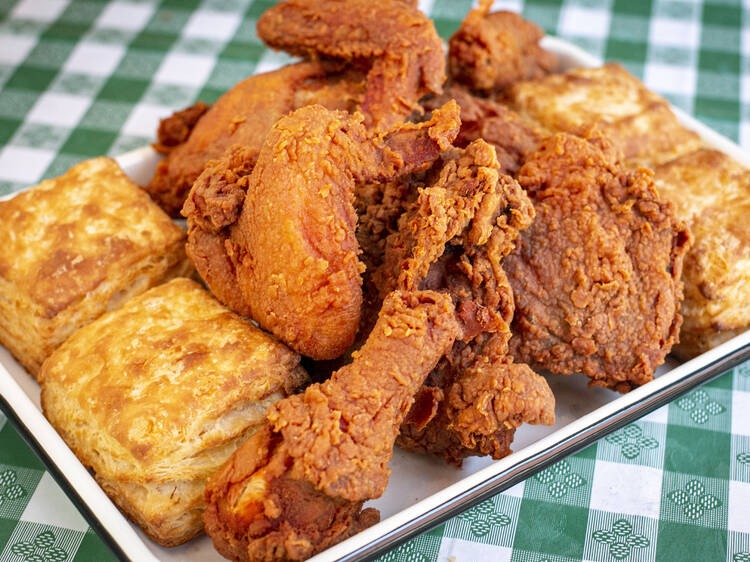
84	78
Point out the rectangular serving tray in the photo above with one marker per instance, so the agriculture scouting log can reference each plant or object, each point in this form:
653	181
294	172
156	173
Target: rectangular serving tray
422	492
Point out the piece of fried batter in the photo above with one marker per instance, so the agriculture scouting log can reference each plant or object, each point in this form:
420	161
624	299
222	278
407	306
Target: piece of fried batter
513	136
297	486
491	51
596	277
279	243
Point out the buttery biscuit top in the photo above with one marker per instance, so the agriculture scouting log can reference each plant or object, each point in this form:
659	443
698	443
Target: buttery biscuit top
143	390
638	121
62	238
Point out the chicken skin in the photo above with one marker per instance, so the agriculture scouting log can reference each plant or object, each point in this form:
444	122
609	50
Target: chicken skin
297	486
596	277
243	116
392	39
343	73
491	51
276	240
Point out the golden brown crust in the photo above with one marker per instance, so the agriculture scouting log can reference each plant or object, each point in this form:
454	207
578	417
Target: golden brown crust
74	247
491	51
299	486
712	193
242	116
395	41
309	295
156	395
608	99
596	277
175	129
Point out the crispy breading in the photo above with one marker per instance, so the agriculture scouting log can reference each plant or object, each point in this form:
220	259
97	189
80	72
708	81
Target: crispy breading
298	200
513	136
491	51
396	43
298	487
243	116
452	239
596	277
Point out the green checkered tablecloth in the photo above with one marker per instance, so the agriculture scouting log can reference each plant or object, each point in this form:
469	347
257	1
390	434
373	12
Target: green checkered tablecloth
84	78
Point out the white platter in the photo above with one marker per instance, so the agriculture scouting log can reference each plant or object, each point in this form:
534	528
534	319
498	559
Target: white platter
422	491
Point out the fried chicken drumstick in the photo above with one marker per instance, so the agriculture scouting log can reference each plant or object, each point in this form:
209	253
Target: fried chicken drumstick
298	197
452	239
297	486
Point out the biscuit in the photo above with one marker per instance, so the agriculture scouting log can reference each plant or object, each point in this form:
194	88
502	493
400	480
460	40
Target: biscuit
611	100
74	247
712	193
155	396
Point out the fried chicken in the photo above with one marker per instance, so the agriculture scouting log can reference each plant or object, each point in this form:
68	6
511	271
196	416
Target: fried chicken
383	76
243	116
596	277
298	485
452	239
610	100
395	42
175	130
513	136
279	243
491	51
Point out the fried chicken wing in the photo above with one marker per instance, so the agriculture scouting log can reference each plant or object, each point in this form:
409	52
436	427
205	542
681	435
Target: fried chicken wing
596	277
396	42
513	136
298	485
491	51
383	74
279	243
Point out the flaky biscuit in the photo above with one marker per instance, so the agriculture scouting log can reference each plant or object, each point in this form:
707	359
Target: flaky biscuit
712	192
156	395
611	100
75	247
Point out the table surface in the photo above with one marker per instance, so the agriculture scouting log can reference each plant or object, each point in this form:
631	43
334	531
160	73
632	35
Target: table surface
81	79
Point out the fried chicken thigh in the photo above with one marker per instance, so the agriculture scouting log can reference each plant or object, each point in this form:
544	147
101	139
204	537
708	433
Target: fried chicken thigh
491	51
596	277
279	243
297	486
